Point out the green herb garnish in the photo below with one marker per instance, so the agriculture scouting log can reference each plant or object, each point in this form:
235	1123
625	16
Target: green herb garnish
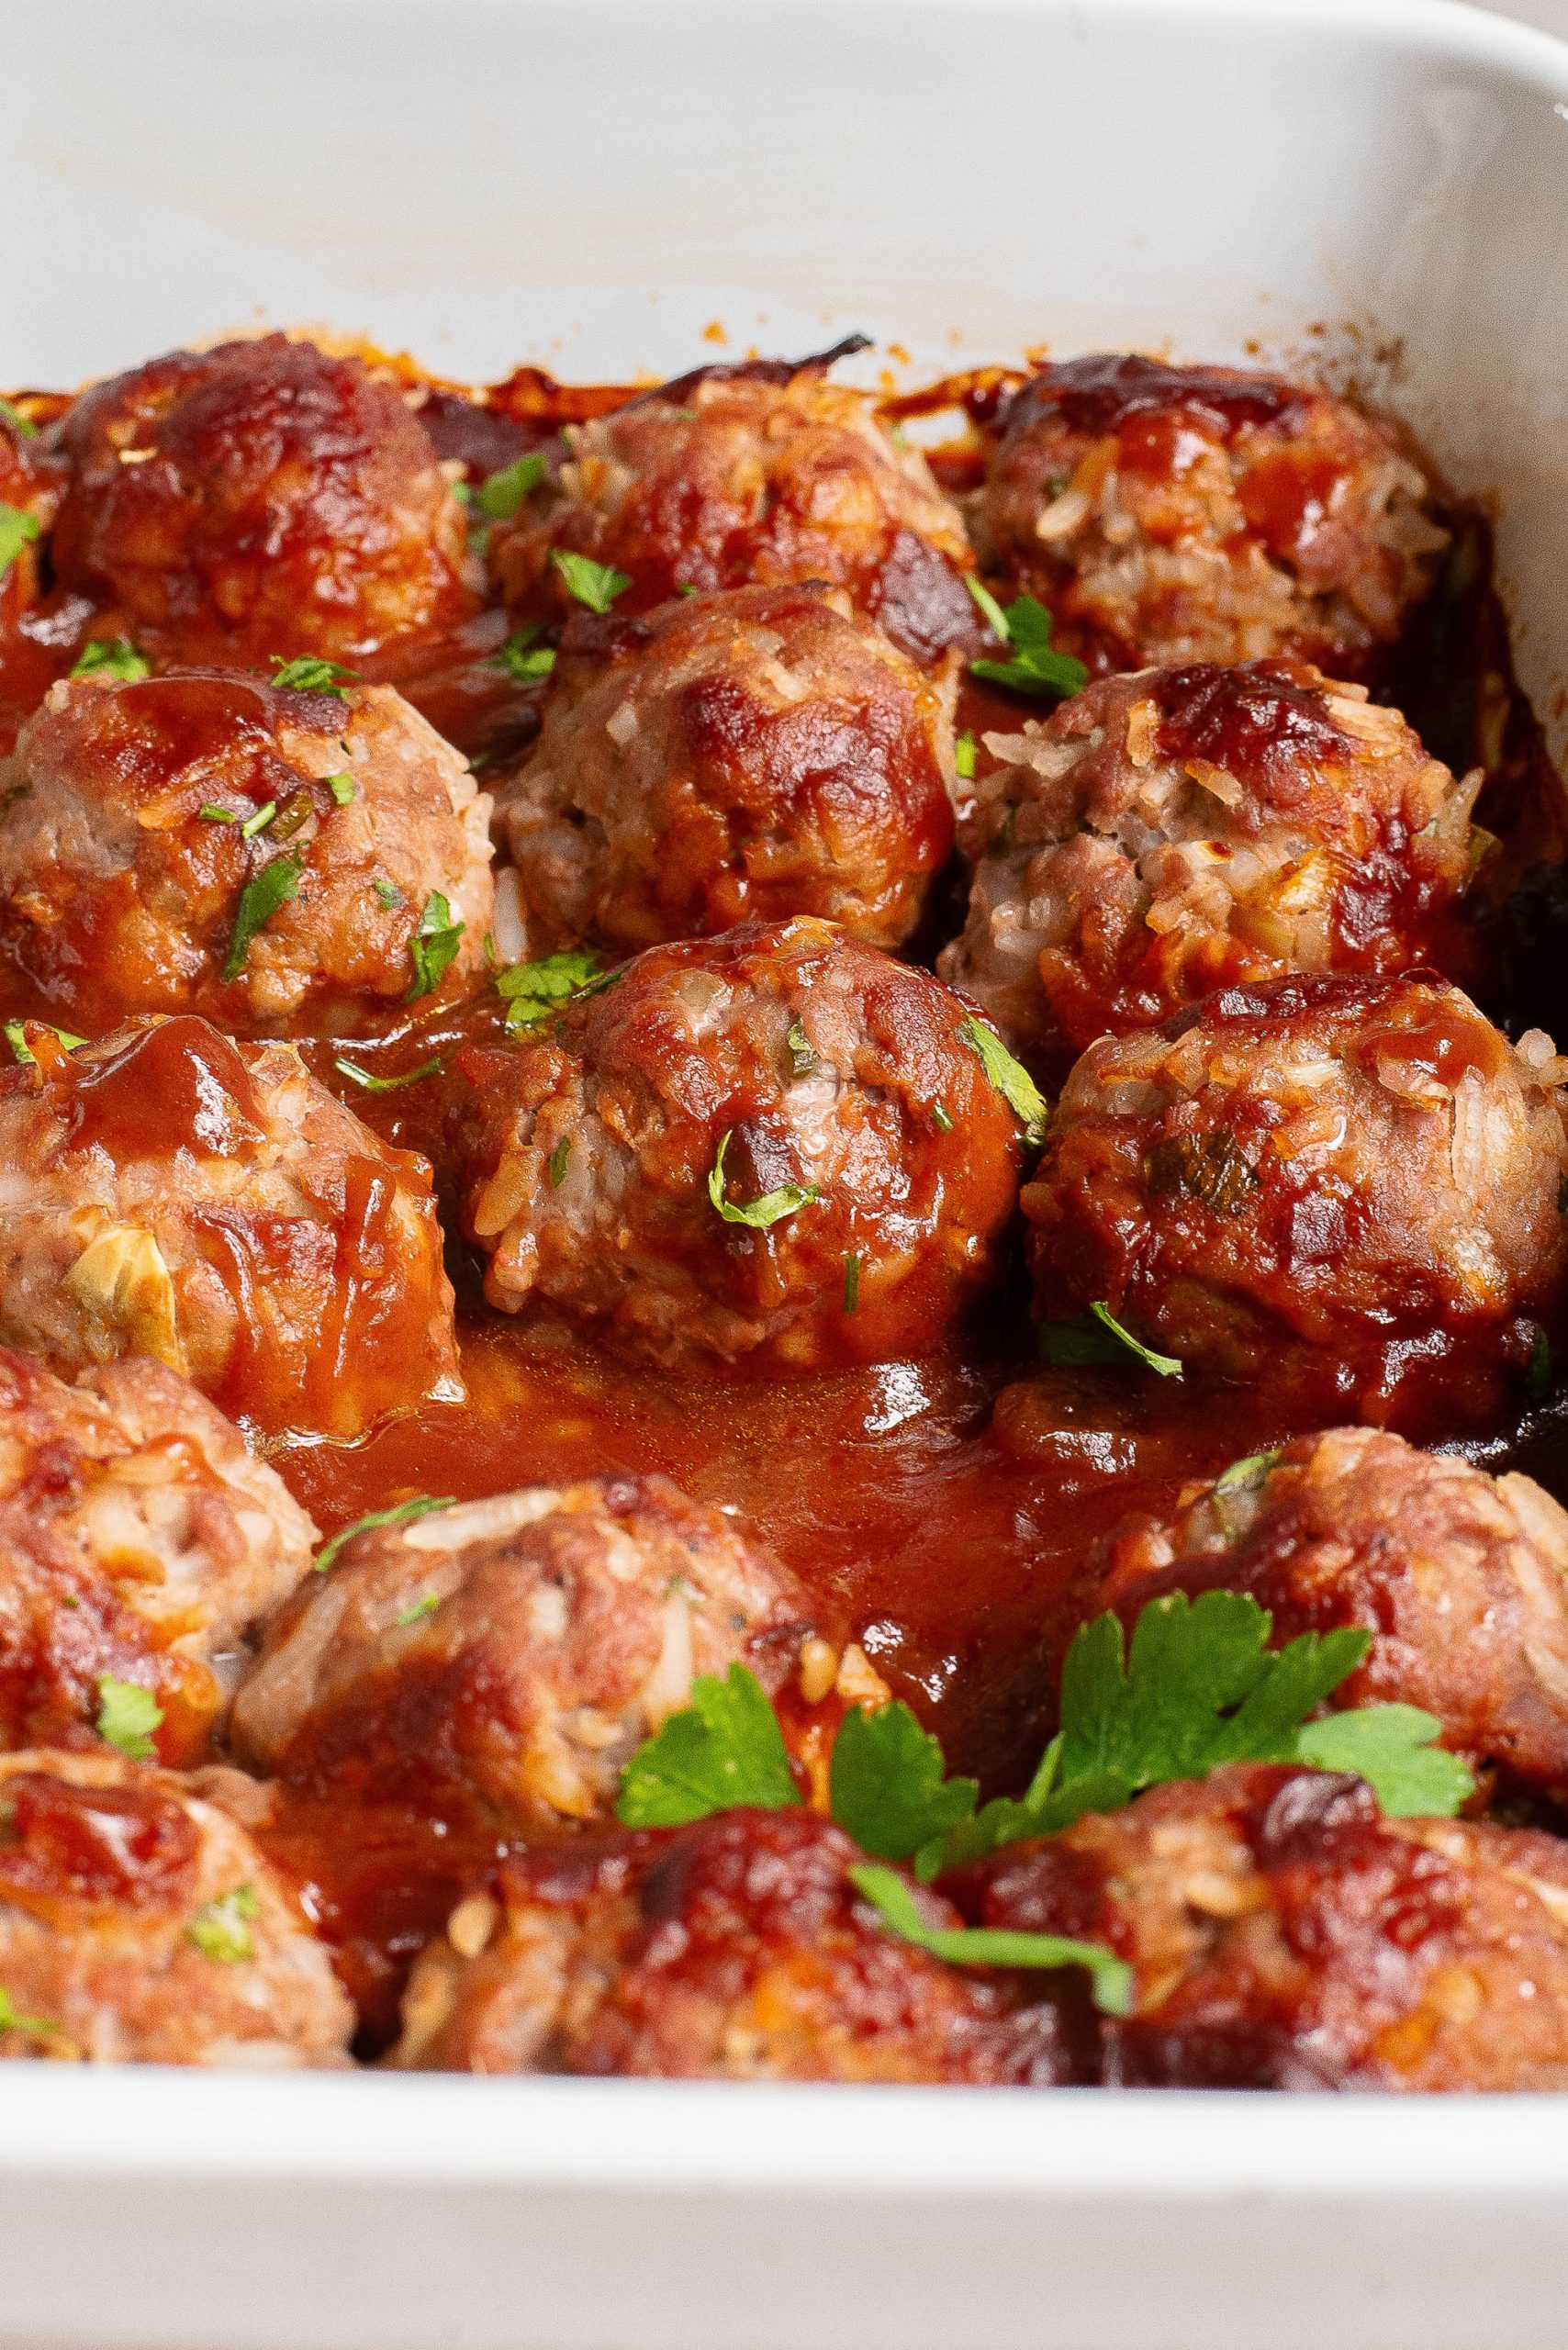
112	657
1539	1377
523	657
11	2021
258	820
261	898
420	1608
357	1076
892	1896
1098	1338
940	1119
803	1053
499	495
851	1284
389	894
17	530
557	1162
724	1749
1011	1078
1026	625
531	992
760	1214
400	1514
597	584
22	424
212	813
306	676
221	1930
17	1037
434	946
127	1716
964	757
343	787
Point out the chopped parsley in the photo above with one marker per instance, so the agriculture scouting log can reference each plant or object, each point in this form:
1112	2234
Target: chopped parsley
557	1162
210	813
306	676
221	1930
499	495
771	1208
434	946
523	657
803	1053
260	899
964	757
426	1605
389	894
597	584
11	2021
851	1284
127	1716
1011	1078
17	1037
940	1120
887	1786
399	1514
112	657
1098	1338
1026	625
531	992
17	529
20	423
892	1896
362	1077
258	820
343	787
725	1749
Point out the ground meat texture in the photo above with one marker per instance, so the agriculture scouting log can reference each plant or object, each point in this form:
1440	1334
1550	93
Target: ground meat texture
260	498
518	1650
139	1540
170	1193
734	1948
1460	1579
128	877
1284	1935
1351	1185
755	754
1207	514
1178	830
591	1149
138	1923
764	472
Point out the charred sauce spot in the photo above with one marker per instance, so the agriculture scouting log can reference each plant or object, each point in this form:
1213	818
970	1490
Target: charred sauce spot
1262	718
1102	392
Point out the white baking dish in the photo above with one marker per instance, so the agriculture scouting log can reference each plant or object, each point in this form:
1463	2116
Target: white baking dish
591	182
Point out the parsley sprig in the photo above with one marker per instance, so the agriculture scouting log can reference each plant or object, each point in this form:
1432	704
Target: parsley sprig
17	530
399	1514
1025	626
305	674
522	657
597	584
127	1716
532	991
499	495
434	946
1098	1338
771	1208
1011	1078
260	899
112	657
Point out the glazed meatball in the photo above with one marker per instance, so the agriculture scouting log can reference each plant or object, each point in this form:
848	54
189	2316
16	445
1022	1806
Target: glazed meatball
137	849
734	1948
1168	834
1460	1579
764	472
138	1923
773	1144
1207	514
139	1542
260	498
747	755
1353	1183
517	1652
1284	1935
169	1192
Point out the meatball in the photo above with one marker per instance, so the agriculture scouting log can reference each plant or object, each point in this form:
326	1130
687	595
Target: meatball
518	1650
764	472
1346	1182
260	498
140	1923
169	1192
773	1144
1460	1579
1207	514
751	755
734	1948
138	1541
137	851
1284	1935
1168	834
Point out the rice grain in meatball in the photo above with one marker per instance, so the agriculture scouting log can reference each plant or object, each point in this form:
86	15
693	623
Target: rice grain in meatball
1352	1184
764	474
139	1541
1178	830
750	755
138	1924
1207	514
772	1145
1284	1934
736	1949
170	1193
1460	1579
260	498
146	827
515	1652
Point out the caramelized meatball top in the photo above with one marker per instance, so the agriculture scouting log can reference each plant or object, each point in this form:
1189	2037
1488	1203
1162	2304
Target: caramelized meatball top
261	497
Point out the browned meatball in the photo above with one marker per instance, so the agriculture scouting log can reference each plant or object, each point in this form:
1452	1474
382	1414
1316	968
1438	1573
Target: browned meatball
827	1096
169	1192
750	755
1284	1934
140	1923
138	1541
1349	1183
516	1652
1207	514
137	850
1460	1579
765	473
733	1949
1168	834
260	498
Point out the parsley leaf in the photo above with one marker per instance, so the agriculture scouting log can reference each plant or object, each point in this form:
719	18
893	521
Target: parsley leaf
358	1076
17	1037
127	1716
434	946
886	1785
725	1749
1394	1749
890	1894
964	757
499	495
1097	1337
523	657
306	676
11	2020
258	820
597	584
221	1930
20	423
212	813
531	992
771	1208
1026	625
18	528
260	899
803	1053
112	657
418	1611
1011	1078
389	894
343	787
399	1514
557	1162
